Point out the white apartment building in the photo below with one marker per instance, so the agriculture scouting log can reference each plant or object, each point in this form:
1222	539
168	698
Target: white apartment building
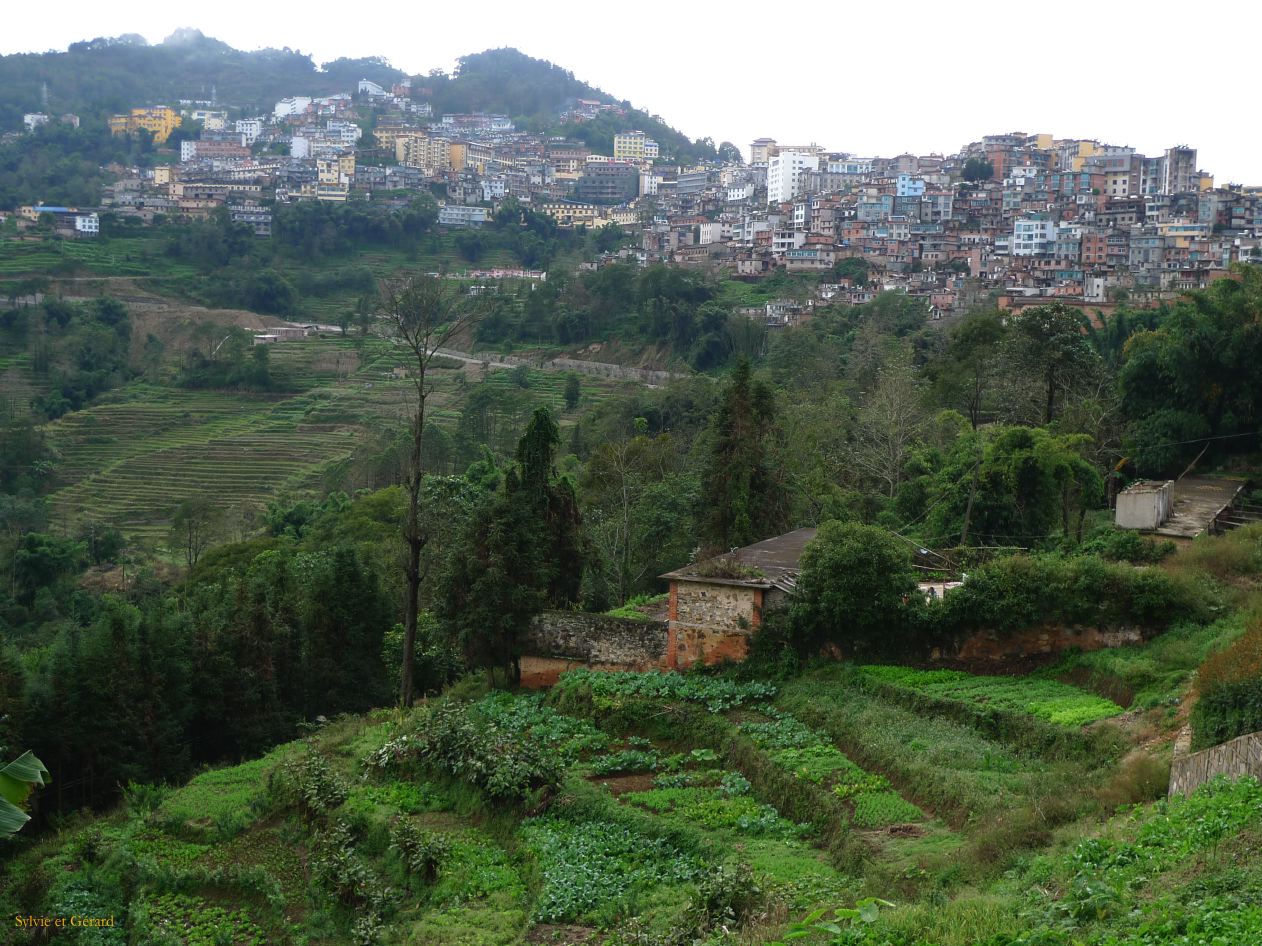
784	174
451	215
1034	235
295	105
249	129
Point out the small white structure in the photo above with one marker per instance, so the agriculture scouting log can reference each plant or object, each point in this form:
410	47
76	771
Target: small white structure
1144	505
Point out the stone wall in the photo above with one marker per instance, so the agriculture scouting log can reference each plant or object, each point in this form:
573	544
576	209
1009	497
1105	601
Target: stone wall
1242	756
562	640
715	605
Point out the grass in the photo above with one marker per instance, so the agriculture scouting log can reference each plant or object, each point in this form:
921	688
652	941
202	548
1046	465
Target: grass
221	796
942	765
1155	674
1047	699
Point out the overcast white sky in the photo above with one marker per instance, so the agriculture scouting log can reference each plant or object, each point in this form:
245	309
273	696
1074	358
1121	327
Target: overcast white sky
870	78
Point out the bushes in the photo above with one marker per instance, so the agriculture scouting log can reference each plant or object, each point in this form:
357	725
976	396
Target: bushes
854	591
1126	545
1230	684
513	749
1023	591
608	690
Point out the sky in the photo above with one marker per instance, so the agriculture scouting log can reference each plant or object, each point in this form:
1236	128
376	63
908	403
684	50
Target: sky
874	79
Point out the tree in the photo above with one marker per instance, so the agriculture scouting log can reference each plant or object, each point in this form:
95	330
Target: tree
637	500
195	526
854	591
741	501
977	169
966	373
573	391
422	313
1012	485
523	551
887	425
1048	343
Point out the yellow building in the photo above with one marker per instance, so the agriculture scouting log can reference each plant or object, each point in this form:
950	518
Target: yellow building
336	170
634	146
159	120
568	214
162	175
421	151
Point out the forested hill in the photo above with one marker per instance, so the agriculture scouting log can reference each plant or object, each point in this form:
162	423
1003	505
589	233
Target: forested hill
104	76
534	91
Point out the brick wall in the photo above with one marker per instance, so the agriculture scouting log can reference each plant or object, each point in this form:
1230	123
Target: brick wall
989	645
1242	756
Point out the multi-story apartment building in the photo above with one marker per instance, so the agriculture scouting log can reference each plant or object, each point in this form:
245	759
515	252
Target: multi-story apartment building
634	146
1034	235
785	171
159	120
608	183
450	215
433	155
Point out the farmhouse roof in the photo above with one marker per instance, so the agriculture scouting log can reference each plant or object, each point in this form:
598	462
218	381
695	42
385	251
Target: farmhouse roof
772	563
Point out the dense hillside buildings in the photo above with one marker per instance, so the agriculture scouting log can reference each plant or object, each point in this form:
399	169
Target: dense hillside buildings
1020	216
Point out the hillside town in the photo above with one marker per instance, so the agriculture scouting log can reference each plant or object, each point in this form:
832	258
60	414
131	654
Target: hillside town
1024	217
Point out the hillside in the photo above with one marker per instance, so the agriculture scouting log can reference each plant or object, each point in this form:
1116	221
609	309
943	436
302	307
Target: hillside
103	76
533	92
109	74
668	810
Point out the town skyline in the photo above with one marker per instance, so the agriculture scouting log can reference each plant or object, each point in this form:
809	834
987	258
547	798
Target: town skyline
813	100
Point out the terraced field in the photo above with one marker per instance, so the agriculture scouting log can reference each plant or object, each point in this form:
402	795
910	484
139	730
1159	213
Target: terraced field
637	809
141	450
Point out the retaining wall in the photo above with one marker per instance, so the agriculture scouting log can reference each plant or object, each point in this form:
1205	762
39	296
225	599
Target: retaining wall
1241	756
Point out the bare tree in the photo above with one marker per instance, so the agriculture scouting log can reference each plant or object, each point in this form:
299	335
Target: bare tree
888	425
421	314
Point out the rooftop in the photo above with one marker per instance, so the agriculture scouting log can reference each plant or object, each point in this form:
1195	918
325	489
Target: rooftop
772	563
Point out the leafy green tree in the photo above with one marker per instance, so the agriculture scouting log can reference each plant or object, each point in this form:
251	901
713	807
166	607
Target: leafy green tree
854	592
573	391
196	525
1049	343
741	499
638	500
421	314
1012	486
522	552
977	169
965	375
1195	375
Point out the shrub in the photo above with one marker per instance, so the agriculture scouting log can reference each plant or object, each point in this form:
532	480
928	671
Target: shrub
514	749
855	589
1230	685
1024	591
422	852
1126	545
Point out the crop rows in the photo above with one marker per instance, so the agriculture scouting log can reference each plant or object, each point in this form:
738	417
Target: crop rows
1050	700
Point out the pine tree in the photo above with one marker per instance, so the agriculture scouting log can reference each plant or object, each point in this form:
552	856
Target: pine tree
741	500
